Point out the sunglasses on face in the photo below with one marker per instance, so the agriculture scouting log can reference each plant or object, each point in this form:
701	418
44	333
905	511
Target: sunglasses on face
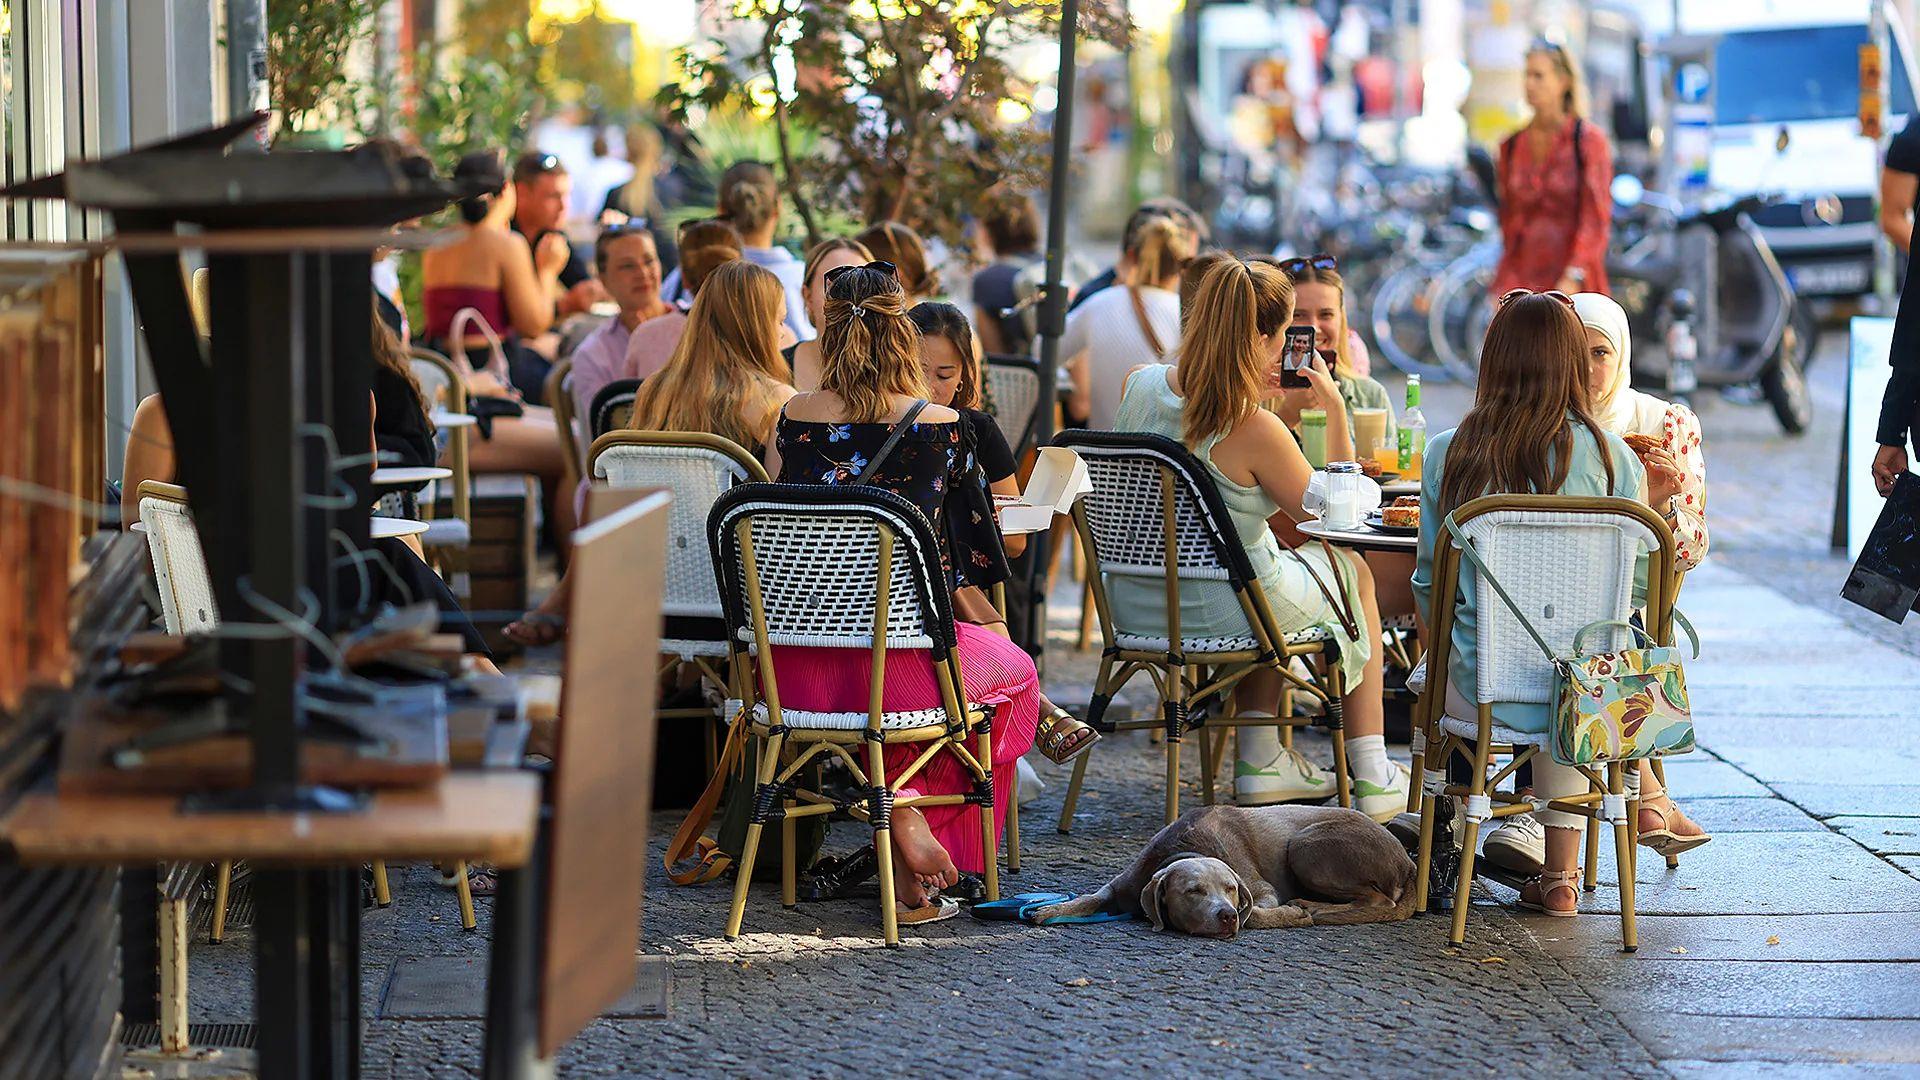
886	268
1297	266
1511	295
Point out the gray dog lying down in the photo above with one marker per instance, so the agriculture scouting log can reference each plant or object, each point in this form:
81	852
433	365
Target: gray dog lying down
1221	869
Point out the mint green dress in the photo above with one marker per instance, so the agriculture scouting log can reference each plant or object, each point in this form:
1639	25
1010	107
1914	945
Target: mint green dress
1209	609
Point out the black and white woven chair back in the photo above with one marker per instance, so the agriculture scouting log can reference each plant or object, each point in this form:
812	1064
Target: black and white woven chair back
1124	510
816	556
432	377
697	475
612	407
1013	390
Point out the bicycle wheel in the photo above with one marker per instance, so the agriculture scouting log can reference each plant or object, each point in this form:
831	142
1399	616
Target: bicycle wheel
1400	328
1459	310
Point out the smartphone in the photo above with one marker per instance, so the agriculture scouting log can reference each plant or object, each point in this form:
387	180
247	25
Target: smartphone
1295	357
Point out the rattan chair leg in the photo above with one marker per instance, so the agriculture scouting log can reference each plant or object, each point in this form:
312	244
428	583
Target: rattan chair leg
1469	842
1085	640
1591	872
1423	858
172	921
222	885
1072	801
1342	779
1623	867
743	873
880	813
789	890
989	829
1206	766
464	891
382	896
1013	819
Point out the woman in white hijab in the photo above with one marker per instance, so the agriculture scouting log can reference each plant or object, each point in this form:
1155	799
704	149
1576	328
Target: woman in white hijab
1677	468
1676	487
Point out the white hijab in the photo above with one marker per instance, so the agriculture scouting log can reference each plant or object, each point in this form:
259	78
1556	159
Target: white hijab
1621	409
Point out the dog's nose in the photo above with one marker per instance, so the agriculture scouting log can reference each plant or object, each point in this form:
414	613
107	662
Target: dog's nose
1227	918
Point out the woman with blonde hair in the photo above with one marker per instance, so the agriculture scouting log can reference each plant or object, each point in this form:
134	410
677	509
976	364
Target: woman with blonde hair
1211	402
822	259
871	383
1554	175
1532	429
1118	329
724	378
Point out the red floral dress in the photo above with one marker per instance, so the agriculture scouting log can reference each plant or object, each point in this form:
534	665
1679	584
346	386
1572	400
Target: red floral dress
1551	217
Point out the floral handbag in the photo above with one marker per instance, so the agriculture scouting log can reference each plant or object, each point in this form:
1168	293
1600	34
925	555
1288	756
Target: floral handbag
1610	706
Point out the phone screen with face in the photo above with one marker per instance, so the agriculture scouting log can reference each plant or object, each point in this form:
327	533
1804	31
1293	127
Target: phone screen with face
1296	357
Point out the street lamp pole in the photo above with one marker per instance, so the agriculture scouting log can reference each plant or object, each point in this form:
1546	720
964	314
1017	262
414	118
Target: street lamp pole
1053	308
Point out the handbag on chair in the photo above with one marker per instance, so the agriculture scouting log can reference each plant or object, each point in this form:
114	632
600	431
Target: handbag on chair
1608	706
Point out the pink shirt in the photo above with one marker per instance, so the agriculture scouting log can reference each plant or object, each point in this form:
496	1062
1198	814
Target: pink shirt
652	343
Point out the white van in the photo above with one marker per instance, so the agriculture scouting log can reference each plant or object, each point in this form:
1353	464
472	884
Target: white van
1793	66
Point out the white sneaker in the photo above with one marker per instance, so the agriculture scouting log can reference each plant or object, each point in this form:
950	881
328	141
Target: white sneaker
1030	783
1519	845
1383	802
1289	777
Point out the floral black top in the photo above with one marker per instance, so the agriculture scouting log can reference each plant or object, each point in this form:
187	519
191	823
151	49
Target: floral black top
928	468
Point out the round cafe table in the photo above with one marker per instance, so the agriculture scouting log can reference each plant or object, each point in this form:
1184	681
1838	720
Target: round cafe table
387	528
1360	538
1395	488
443	418
405	475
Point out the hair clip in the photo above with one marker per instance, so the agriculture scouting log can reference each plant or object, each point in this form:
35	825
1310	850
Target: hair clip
859	312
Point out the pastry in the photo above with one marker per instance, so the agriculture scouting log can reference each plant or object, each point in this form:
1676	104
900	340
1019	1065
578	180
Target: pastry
1640	444
1407	500
1401	517
1370	467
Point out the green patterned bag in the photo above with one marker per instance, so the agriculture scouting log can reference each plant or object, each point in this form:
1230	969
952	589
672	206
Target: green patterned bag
1611	706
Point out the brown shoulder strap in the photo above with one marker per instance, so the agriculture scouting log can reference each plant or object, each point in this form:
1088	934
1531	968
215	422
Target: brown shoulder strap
692	857
1146	324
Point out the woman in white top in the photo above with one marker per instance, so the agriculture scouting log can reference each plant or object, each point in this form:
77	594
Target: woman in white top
1119	329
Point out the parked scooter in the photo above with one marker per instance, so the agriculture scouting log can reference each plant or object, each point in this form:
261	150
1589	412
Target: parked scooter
1709	305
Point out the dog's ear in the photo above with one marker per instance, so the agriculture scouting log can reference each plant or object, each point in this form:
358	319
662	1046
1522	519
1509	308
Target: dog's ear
1245	904
1150	898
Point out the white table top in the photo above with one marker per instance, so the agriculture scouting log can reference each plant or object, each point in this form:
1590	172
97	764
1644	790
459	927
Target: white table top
443	418
410	474
1361	537
388	528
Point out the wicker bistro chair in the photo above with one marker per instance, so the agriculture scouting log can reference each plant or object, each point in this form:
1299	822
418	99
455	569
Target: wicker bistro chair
1571	561
1154	514
697	468
447	538
845	568
559	395
612	407
1013	388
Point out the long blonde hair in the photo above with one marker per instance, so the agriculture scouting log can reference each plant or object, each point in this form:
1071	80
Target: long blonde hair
869	349
1162	250
721	377
1573	101
1222	363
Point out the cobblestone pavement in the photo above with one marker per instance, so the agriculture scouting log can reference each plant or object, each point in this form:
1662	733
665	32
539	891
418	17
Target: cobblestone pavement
1791	940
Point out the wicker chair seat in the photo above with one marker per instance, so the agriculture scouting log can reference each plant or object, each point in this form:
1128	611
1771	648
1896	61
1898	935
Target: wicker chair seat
804	720
1192	646
1502	735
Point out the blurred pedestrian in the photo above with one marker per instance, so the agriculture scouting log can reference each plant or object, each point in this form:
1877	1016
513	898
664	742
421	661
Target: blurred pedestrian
1899	182
1554	176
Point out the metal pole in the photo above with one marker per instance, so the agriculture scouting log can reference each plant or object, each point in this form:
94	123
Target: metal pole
247	64
1053	309
1400	21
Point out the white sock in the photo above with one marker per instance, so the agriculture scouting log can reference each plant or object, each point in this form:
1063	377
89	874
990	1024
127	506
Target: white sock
1633	781
1259	746
1367	759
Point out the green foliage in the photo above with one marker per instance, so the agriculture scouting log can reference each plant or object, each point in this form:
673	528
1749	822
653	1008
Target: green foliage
456	101
308	42
887	109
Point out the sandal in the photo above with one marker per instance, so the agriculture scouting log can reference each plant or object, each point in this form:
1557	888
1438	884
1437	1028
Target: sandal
1663	840
536	629
1063	738
1545	885
938	909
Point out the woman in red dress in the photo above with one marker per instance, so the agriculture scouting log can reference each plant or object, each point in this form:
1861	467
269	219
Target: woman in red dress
1555	211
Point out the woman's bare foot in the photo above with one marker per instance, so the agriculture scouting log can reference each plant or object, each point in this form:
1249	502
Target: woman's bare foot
919	858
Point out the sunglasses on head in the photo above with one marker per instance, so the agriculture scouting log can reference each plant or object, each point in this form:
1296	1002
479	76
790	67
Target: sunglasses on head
886	268
1296	266
1544	45
545	163
1511	295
